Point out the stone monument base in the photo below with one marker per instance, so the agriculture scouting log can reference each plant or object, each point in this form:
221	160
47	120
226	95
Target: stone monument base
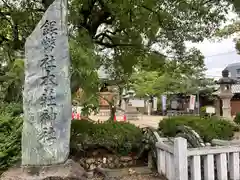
67	171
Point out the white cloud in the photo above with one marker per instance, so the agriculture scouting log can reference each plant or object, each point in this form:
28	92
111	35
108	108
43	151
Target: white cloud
217	55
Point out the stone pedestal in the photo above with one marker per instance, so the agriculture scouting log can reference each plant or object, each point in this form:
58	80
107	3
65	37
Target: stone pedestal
132	113
226	104
217	106
226	93
67	171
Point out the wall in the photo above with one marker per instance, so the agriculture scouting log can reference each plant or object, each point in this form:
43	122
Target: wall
235	107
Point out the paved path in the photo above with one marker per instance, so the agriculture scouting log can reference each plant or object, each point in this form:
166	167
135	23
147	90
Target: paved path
144	120
147	121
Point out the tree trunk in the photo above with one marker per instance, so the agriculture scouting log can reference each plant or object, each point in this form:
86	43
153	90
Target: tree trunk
120	96
113	112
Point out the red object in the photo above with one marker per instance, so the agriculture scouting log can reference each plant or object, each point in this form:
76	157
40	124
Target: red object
72	115
115	119
124	117
78	116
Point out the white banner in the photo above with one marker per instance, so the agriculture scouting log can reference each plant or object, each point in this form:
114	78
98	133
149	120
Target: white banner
155	100
192	102
164	102
136	102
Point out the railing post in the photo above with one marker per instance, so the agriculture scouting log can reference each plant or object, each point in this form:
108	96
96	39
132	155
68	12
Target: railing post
180	159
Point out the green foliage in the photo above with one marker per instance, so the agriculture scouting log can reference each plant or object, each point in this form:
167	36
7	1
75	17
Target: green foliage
84	64
10	140
203	111
10	134
13	109
208	129
184	74
232	29
176	77
120	138
123	33
237	118
11	81
236	5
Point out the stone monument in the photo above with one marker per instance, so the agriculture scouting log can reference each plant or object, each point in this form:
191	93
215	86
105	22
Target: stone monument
47	102
226	93
47	95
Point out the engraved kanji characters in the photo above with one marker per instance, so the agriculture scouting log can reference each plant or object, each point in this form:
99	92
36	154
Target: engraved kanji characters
49	28
48	98
48	80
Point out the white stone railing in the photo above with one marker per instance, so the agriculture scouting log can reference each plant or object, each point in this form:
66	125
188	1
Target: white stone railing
177	162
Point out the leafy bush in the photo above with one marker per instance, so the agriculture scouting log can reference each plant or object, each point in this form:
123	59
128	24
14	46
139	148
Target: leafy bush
118	137
10	140
208	128
13	109
237	118
203	111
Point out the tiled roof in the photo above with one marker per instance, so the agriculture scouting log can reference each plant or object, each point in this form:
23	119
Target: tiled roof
235	89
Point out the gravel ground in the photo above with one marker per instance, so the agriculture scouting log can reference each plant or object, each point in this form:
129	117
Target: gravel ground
131	177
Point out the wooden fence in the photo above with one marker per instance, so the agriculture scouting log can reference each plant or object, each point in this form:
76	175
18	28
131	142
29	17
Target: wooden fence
177	162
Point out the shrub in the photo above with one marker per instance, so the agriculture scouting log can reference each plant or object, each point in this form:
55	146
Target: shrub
208	128
10	140
121	138
203	111
118	137
13	109
237	118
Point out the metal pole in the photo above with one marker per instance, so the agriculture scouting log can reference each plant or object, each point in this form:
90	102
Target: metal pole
198	97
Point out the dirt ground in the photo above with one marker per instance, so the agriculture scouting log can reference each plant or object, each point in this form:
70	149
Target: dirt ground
131	177
137	173
144	120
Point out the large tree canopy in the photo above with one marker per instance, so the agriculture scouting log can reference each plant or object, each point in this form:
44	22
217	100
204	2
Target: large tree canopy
121	25
234	28
124	23
116	34
229	30
175	76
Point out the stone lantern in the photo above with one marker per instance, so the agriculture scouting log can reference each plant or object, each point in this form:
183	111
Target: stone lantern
226	93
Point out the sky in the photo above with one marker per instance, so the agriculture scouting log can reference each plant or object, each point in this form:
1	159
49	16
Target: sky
217	55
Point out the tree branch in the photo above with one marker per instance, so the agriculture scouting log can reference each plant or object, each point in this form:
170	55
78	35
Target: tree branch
108	45
6	4
102	36
3	38
3	15
87	12
94	17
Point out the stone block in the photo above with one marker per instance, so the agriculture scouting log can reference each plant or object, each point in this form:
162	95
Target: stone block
67	171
